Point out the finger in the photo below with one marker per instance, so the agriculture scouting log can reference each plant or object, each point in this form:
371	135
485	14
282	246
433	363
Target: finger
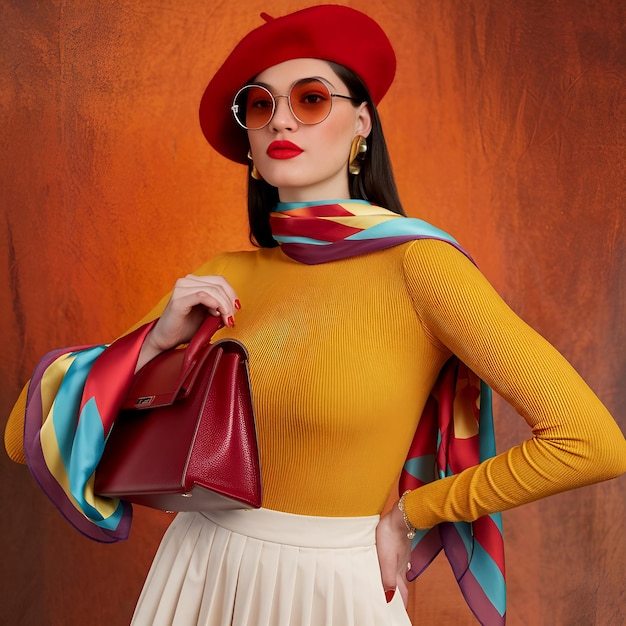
219	281
215	302
182	317
213	297
388	562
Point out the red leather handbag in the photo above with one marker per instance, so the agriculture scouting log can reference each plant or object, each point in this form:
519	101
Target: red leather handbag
185	439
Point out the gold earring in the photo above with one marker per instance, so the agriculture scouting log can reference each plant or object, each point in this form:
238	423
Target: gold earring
254	172
357	154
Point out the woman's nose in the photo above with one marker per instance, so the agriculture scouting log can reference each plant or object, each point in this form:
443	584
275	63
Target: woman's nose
283	118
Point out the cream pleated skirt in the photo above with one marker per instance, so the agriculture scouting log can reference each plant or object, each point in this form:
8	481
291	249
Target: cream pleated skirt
267	568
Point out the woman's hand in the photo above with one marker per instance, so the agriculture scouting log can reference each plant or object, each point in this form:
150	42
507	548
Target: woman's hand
394	552
191	299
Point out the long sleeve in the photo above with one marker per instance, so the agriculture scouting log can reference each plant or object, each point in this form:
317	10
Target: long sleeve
574	442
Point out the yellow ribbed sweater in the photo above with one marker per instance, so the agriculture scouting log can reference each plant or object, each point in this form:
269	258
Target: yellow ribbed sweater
344	354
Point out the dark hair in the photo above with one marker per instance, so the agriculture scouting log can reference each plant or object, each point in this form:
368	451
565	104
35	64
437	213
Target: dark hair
375	182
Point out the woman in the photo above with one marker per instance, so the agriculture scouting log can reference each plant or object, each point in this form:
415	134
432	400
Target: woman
372	319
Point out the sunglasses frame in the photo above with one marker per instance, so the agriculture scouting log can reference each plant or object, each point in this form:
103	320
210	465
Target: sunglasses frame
235	107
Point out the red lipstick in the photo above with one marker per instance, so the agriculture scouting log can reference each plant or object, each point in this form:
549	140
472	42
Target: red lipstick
283	150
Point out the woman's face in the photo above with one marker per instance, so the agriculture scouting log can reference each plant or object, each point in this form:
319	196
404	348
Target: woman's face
315	165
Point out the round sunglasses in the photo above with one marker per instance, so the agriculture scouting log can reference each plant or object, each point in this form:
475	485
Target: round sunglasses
310	102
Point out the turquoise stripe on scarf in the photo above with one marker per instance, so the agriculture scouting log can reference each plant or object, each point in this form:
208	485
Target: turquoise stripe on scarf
67	402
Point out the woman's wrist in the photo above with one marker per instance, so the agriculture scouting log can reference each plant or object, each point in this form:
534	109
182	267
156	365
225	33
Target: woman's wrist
409	528
148	351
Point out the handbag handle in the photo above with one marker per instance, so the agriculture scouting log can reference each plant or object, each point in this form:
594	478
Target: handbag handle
199	341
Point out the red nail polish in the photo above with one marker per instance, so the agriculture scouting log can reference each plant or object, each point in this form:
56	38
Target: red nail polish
231	321
389	595
237	304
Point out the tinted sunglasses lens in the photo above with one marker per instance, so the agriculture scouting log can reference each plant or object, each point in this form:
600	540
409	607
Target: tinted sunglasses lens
310	101
253	107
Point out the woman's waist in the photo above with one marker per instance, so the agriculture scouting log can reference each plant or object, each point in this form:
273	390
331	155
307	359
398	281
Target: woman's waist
308	531
340	490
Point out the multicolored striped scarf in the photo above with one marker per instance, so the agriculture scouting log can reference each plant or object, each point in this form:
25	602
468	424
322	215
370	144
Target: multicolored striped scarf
320	232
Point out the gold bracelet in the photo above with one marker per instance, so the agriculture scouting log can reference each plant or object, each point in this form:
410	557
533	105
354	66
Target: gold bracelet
410	528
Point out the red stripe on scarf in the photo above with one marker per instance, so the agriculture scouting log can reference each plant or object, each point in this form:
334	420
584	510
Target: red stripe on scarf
322	230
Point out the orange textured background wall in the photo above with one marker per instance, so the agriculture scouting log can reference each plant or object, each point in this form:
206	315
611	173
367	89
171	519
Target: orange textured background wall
507	127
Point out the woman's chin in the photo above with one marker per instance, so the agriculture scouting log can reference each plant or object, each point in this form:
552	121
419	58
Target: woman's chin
283	177
301	187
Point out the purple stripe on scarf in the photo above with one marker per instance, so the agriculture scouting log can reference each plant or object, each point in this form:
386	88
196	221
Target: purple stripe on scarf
456	552
429	547
315	254
485	612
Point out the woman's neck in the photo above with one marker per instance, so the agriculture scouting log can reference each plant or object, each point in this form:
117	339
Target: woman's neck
327	190
284	206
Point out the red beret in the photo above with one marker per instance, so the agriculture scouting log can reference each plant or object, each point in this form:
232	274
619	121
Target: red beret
329	32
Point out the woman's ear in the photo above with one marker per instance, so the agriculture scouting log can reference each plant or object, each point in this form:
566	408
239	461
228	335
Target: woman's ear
364	120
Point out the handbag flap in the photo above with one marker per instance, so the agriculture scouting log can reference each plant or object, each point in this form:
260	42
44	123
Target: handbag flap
158	382
170	376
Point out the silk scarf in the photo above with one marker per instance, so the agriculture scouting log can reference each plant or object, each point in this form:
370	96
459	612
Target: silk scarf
322	232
